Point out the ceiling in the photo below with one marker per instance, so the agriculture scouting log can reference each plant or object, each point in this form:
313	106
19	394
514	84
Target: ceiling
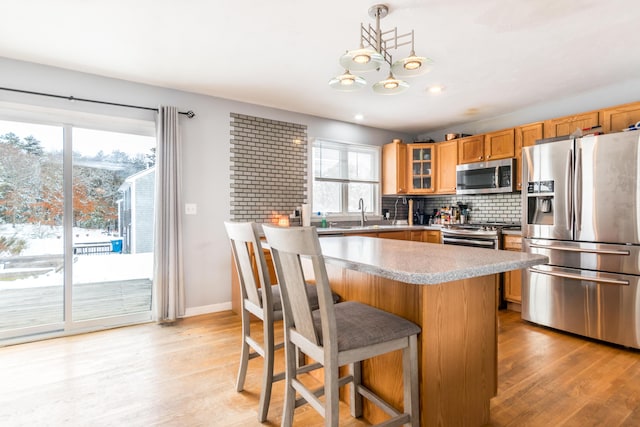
492	56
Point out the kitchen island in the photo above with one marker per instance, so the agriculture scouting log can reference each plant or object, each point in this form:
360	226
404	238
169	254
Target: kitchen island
451	292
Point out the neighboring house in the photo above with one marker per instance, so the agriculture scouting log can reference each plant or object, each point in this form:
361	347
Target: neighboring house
135	212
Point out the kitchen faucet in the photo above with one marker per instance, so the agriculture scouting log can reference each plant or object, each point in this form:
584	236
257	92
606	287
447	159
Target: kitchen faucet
361	207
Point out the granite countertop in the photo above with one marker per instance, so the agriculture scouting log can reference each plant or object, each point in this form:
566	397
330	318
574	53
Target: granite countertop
421	263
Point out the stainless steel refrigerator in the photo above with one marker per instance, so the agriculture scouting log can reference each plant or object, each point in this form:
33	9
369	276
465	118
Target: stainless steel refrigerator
581	208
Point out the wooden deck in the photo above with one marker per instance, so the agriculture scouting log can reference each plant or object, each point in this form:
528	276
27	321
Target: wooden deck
20	308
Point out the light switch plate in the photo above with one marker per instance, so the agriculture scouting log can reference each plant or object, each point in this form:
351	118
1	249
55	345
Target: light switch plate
190	209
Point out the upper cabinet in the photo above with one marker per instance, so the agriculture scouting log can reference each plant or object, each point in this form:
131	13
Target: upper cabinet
394	168
421	164
470	149
616	119
447	155
565	126
499	145
491	146
525	136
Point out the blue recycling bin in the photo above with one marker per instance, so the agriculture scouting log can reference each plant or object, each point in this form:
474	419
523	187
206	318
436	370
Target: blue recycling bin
116	246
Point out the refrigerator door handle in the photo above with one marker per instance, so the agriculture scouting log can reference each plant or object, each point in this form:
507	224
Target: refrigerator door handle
577	190
580	277
567	185
582	250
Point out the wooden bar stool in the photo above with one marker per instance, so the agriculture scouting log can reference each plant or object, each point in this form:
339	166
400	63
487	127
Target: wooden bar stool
336	335
262	299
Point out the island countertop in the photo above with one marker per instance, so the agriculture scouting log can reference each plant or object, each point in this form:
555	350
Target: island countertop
418	262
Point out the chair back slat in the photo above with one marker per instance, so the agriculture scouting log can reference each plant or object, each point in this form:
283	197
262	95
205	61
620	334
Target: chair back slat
295	292
287	246
245	245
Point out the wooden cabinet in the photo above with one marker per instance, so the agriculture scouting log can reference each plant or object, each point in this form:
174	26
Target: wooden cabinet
431	236
617	118
470	149
512	279
416	236
565	126
394	168
491	146
499	145
447	160
421	163
397	235
525	136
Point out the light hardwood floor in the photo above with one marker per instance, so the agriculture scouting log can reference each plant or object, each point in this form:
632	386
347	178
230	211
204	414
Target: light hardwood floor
184	375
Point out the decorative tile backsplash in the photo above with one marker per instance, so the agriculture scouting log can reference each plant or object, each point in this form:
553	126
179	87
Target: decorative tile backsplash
268	168
505	207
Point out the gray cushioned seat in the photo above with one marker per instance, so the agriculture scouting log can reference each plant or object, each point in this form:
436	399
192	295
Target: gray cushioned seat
354	320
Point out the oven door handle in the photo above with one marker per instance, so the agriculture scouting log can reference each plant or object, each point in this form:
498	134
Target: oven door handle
469	241
581	250
580	277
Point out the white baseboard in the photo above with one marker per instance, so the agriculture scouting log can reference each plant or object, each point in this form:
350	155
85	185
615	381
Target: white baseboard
206	309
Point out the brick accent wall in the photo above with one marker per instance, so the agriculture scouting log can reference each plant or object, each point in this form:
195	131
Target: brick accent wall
268	168
505	207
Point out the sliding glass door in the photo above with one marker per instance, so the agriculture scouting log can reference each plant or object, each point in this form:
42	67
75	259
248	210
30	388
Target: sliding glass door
76	228
32	264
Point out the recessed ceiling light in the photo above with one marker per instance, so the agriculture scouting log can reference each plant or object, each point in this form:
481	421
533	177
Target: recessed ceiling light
359	117
436	89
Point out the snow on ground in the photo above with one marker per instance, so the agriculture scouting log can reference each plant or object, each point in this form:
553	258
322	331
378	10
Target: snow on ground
46	240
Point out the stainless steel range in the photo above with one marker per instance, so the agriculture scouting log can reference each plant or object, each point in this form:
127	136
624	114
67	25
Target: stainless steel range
480	235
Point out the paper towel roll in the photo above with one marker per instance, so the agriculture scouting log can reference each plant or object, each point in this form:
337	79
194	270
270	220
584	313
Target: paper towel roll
306	214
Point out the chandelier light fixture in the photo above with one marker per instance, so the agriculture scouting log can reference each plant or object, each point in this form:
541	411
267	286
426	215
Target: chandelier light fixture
373	53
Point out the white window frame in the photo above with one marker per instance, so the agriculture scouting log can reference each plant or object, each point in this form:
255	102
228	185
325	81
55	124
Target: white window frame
346	147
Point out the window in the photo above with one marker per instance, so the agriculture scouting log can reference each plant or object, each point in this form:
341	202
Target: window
342	175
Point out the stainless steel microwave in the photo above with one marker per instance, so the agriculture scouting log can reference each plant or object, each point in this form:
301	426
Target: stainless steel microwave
495	176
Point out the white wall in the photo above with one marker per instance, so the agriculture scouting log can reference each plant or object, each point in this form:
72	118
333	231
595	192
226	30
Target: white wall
205	150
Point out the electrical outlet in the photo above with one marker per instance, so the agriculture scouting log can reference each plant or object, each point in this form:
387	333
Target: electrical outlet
190	209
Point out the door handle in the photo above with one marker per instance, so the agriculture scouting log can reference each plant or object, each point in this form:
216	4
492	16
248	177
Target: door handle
582	250
577	191
580	277
567	185
469	241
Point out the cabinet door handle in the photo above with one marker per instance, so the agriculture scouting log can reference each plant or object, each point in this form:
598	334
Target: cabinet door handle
480	158
488	157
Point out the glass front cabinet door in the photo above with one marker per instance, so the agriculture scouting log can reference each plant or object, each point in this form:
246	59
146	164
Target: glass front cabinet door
421	178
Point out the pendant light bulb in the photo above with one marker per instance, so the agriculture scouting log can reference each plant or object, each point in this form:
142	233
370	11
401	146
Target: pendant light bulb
390	86
347	82
411	66
412	62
